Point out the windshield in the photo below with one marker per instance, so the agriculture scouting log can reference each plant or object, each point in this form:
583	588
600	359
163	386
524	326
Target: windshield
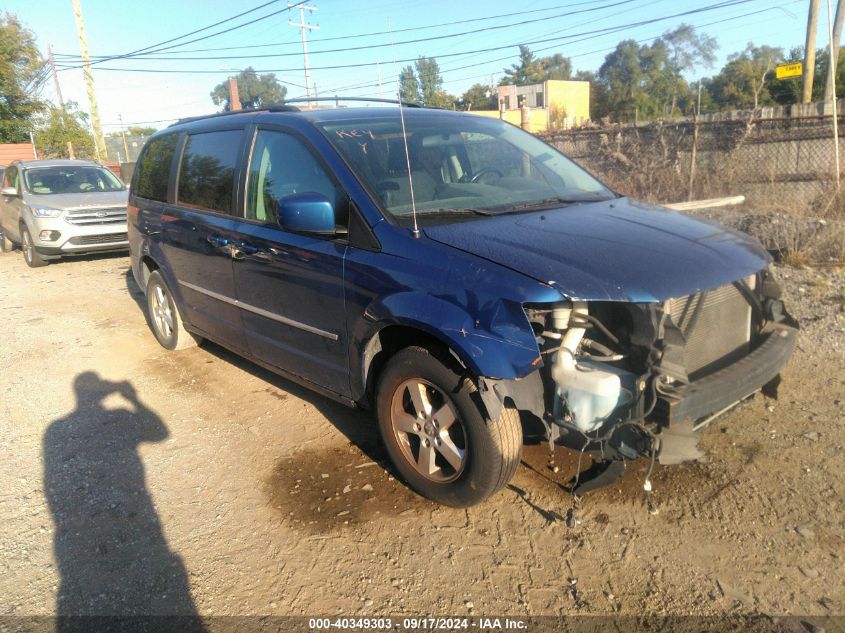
70	179
463	164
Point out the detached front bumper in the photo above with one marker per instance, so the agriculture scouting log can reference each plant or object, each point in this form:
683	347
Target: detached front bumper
723	388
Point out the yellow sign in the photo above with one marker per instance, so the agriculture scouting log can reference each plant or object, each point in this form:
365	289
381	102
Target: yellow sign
786	71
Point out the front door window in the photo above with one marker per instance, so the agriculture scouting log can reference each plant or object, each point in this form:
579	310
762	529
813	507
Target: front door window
281	166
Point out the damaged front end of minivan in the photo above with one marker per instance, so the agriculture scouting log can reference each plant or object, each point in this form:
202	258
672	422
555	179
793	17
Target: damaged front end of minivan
624	380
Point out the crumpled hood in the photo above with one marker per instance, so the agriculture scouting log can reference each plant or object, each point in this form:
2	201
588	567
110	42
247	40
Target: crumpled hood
616	250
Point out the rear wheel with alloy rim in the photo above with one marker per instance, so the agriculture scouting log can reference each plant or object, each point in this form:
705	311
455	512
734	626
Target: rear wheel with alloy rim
436	434
164	318
30	255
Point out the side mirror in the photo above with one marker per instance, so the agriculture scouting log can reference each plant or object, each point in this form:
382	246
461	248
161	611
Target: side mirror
309	212
9	191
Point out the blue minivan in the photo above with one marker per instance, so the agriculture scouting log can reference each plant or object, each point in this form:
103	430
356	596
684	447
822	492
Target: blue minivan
457	276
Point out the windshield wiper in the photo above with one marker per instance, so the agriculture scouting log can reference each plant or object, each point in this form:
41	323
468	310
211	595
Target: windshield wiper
547	203
454	211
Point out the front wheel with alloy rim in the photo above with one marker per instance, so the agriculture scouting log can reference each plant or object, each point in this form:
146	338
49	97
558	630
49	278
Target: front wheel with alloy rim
30	255
436	434
164	318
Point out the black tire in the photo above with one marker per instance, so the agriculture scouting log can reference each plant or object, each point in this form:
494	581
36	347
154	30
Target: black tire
448	451
6	245
164	318
30	255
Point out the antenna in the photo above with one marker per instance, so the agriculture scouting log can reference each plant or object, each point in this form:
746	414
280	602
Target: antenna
416	230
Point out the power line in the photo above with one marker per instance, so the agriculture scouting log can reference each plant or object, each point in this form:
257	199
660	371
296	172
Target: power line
152	48
70	57
539	50
603	31
371	46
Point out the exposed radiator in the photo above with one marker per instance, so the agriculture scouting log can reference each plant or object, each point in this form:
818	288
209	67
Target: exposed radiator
716	325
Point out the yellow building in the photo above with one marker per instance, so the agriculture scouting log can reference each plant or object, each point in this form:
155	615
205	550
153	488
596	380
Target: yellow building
551	104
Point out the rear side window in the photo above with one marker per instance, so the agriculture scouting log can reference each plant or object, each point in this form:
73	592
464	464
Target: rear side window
153	171
207	173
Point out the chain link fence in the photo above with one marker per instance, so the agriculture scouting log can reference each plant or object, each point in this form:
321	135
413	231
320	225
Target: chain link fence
785	168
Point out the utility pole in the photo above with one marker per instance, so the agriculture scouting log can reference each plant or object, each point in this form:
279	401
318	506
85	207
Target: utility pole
97	154
234	95
123	134
378	72
832	73
304	27
698	108
834	55
99	143
55	76
810	52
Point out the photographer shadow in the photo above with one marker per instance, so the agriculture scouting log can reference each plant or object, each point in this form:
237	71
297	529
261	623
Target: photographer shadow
111	552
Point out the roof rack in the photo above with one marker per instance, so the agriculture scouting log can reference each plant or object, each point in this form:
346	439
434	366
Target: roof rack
407	104
284	107
273	107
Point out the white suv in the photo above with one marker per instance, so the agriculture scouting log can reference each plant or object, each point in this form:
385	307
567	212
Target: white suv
53	208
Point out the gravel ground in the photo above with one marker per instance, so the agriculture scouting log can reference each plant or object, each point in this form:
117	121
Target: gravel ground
138	481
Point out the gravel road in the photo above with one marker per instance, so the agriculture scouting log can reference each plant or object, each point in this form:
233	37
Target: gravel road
140	481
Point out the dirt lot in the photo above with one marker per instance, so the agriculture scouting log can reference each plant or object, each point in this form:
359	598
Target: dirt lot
135	480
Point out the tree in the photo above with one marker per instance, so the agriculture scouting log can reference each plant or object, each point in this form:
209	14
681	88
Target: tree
22	72
745	81
479	97
431	83
423	84
409	89
525	72
254	90
58	127
648	80
556	67
683	49
134	130
532	70
138	130
623	78
689	49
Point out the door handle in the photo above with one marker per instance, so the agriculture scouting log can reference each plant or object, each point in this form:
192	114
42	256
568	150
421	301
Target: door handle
147	229
241	249
217	241
246	248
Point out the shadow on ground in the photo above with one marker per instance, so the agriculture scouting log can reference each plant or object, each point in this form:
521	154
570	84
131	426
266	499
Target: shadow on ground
113	558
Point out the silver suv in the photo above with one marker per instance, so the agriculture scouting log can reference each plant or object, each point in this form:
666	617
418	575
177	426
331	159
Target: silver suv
53	208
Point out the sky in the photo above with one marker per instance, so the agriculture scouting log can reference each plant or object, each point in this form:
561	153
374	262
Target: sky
472	41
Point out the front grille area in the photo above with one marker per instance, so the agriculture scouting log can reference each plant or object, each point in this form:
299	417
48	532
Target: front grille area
89	240
107	215
716	325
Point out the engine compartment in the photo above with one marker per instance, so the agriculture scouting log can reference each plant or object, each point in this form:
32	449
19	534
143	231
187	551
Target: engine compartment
615	374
